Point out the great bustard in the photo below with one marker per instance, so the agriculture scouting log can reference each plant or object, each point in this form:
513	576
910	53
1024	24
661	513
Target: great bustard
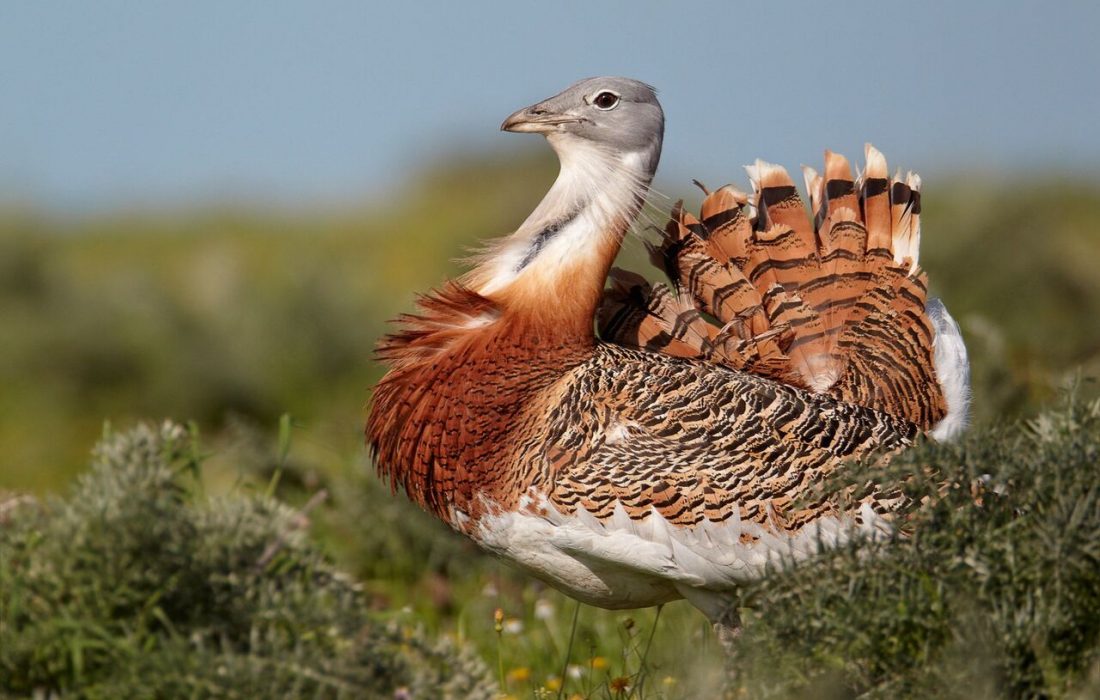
665	457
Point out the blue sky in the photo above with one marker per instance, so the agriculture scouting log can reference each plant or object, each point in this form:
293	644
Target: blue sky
120	103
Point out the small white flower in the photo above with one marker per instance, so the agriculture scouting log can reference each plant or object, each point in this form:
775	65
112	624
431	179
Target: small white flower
544	609
513	625
574	671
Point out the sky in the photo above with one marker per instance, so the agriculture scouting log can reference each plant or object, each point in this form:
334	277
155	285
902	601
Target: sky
165	103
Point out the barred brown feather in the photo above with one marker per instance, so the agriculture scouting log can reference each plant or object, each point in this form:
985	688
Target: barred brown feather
833	301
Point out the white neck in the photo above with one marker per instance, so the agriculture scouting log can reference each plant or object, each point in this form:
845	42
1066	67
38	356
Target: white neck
596	196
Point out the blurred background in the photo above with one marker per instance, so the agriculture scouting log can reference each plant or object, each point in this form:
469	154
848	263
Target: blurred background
208	210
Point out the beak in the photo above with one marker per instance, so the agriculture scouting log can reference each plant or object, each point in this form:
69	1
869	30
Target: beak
536	119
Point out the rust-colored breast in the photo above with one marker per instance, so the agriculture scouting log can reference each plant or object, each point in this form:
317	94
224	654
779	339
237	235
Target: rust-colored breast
445	421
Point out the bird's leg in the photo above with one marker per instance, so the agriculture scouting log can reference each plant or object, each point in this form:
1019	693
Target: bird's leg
728	629
724	612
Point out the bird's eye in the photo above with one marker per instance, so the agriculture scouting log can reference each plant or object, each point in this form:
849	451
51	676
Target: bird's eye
606	100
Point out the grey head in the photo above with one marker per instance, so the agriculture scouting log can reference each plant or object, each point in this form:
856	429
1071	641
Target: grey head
620	114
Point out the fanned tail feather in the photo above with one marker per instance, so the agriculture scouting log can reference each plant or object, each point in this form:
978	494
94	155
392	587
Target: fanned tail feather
833	302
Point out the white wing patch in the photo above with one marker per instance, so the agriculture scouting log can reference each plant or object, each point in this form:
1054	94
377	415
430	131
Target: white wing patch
952	371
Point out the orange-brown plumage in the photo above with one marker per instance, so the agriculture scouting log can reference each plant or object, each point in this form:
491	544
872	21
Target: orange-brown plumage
445	414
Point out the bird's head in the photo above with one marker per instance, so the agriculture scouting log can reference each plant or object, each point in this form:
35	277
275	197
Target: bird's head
618	114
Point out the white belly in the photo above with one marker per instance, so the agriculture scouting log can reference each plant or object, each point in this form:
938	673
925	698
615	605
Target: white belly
624	563
535	544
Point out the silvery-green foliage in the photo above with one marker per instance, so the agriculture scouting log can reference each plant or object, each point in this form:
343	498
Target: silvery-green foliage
136	585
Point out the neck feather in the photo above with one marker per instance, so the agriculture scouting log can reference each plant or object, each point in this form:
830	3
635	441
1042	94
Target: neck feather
553	268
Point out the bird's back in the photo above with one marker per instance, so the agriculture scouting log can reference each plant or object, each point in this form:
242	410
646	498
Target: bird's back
693	442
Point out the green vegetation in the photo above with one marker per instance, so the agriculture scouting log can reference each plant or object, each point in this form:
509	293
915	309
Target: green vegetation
993	591
137	586
231	318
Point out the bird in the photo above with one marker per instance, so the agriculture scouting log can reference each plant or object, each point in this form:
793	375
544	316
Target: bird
631	442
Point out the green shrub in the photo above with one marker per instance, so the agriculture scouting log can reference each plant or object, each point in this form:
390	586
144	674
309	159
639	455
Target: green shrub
138	586
991	590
